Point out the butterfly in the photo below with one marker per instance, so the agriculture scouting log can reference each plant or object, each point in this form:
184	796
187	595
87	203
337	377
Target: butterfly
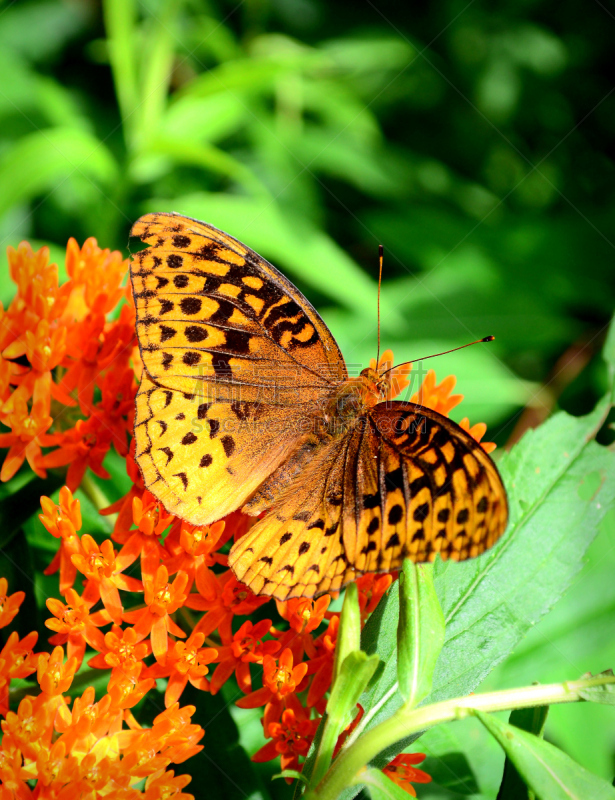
245	402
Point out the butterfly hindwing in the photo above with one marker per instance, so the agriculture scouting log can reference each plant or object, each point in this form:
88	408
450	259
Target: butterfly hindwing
403	482
296	550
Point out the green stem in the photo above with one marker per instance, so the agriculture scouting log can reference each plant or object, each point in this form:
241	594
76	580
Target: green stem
406	722
97	497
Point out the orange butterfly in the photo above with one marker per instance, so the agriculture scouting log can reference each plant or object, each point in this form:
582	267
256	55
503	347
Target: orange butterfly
245	402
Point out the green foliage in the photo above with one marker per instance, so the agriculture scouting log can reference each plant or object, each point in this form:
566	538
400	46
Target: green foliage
420	632
551	774
532	720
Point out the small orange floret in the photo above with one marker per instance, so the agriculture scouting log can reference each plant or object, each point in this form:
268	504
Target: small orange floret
403	772
9	604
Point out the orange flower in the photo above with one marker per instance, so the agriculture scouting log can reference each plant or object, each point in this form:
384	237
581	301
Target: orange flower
161	787
245	648
403	773
161	599
231	598
75	625
104	576
37	283
24	441
371	588
16	661
87	722
28	730
117	407
304	616
9	604
120	649
322	664
54	768
194	554
152	520
96	275
83	446
55	677
279	680
186	661
126	688
291	737
63	521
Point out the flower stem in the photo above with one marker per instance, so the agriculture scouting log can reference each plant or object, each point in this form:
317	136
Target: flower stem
406	722
97	497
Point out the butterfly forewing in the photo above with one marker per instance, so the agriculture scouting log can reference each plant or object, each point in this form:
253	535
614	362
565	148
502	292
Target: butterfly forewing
210	309
220	327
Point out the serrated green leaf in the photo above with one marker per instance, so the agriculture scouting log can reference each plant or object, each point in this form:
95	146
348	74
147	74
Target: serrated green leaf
546	770
420	633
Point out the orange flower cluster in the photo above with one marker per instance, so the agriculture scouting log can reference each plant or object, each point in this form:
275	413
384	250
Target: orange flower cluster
97	748
154	601
66	379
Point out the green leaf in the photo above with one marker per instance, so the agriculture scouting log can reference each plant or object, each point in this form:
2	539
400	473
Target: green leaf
547	771
420	634
609	350
41	161
532	720
490	602
290	773
600	694
349	636
381	787
20	505
354	675
452	771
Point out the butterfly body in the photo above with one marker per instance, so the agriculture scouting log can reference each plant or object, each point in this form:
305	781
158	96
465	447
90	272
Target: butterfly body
245	402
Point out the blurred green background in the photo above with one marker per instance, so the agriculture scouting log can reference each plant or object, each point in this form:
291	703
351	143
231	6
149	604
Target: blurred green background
473	140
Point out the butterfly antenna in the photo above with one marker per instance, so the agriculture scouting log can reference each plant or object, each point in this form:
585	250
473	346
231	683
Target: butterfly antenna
433	355
380	259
